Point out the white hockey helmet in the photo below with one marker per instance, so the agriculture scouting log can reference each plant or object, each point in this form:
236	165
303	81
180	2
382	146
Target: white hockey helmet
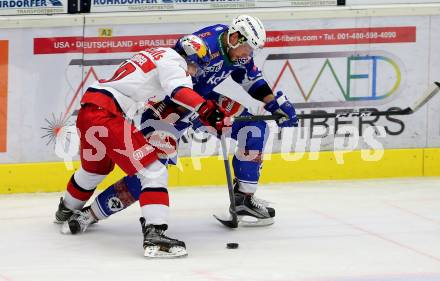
251	29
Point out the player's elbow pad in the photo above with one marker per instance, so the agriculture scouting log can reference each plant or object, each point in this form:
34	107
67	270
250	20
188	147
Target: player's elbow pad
187	98
261	92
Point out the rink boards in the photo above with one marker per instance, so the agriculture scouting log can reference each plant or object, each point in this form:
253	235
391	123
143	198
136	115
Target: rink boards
198	171
324	59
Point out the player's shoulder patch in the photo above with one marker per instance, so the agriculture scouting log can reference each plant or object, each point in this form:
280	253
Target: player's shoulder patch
170	58
143	61
157	53
204	34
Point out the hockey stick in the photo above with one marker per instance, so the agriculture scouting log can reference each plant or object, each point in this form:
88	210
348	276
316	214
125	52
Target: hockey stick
233	223
429	93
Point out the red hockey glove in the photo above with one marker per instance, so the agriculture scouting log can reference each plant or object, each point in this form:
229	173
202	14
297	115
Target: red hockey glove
214	116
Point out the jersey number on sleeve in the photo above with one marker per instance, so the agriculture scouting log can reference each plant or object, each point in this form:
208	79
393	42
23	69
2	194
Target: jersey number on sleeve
125	69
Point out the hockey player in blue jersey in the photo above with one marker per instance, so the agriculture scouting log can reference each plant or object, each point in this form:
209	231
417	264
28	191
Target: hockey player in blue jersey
231	56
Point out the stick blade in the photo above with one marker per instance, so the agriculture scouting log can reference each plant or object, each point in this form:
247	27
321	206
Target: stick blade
231	223
429	94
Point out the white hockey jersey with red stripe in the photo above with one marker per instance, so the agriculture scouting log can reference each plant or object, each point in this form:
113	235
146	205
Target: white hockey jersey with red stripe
147	77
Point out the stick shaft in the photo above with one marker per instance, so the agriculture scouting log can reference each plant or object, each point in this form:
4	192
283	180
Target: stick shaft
322	114
232	208
428	94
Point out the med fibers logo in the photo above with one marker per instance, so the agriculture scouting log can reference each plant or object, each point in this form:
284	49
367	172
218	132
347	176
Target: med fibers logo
334	79
30	4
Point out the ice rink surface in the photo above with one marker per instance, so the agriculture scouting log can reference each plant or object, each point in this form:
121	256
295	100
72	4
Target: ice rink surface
368	230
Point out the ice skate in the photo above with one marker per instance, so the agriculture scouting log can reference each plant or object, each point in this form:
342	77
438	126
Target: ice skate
63	213
79	221
252	211
157	245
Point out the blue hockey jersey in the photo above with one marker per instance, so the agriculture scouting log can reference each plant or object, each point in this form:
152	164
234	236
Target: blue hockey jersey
220	67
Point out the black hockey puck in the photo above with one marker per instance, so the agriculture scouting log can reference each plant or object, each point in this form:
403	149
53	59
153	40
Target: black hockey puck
232	245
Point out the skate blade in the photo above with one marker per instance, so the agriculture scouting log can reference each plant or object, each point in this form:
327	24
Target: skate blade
58	222
154	252
253	221
65	229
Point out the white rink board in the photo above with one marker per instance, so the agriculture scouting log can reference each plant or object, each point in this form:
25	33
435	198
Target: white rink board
388	2
39	87
434	70
411	58
176	5
54	74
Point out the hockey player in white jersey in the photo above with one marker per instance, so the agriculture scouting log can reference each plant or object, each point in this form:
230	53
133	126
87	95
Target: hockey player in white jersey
108	137
232	50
